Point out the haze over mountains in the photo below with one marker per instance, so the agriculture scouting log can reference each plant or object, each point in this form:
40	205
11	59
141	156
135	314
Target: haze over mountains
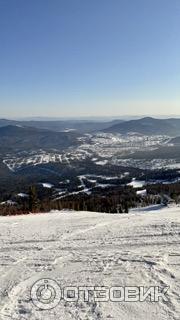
145	126
63	125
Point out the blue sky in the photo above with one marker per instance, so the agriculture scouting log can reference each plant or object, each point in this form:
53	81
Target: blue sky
89	57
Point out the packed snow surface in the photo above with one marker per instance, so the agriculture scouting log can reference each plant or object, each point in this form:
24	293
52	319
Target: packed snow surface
47	185
141	192
91	249
136	183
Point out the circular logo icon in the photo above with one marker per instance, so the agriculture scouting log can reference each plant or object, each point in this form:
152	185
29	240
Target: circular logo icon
46	294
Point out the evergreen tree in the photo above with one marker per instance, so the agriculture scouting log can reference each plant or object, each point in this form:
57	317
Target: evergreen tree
33	199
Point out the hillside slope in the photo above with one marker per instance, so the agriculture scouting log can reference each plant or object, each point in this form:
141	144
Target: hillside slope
148	126
175	141
27	138
90	249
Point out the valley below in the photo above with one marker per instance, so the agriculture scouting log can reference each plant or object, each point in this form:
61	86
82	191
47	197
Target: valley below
88	163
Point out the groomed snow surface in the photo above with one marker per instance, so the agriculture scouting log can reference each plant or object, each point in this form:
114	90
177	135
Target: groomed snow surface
90	249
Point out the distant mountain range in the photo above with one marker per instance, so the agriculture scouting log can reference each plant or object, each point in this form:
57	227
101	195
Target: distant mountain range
81	126
34	135
147	126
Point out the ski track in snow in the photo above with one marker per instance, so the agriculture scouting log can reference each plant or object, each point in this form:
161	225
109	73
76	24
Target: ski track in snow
90	249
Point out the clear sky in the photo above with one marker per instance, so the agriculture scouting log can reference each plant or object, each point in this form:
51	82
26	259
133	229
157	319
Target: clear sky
89	57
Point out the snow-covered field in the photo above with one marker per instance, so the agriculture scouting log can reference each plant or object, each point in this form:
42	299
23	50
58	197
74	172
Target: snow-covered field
90	249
